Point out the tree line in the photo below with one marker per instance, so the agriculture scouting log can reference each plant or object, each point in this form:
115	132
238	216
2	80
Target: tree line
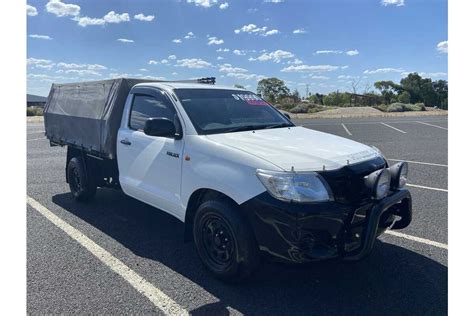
411	90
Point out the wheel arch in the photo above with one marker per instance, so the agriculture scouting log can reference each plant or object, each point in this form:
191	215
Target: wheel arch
197	198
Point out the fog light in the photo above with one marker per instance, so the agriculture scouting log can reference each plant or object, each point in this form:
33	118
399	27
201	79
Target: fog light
399	175
379	183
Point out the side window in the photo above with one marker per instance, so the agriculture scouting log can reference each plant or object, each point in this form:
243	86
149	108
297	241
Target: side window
145	106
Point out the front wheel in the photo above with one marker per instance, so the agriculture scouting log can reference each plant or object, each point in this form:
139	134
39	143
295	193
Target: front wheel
224	240
82	185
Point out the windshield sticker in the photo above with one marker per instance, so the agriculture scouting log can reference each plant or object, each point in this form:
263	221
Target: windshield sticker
251	99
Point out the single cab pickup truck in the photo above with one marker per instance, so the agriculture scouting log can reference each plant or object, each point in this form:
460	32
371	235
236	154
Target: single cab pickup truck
245	181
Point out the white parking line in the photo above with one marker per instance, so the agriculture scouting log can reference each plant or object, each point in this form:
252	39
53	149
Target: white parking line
420	163
418	239
349	133
157	297
30	140
428	188
399	130
432	125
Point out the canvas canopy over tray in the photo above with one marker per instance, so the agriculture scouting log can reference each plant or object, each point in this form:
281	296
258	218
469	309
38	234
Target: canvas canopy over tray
87	114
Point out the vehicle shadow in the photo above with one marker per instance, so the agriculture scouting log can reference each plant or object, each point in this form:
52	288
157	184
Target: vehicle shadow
393	280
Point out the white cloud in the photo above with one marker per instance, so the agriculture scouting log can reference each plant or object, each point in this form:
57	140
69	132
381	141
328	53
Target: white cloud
113	17
253	29
442	47
193	63
86	21
125	40
271	32
244	76
215	41
224	6
397	3
353	52
273	1
203	3
143	69
299	31
83	72
223	50
220	58
308	68
142	17
164	61
382	71
296	61
177	41
172	57
152	62
39	63
190	35
320	77
227	68
175	73
327	52
347	77
276	56
31	10
61	9
239	52
63	65
44	37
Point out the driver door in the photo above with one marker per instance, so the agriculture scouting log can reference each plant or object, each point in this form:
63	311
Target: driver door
150	166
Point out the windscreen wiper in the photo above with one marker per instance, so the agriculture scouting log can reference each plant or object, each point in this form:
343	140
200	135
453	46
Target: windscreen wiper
278	125
245	128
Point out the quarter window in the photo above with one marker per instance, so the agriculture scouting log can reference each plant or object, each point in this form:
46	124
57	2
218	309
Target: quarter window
145	107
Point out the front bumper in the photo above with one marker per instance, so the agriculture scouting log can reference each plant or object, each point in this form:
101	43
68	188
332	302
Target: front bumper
318	231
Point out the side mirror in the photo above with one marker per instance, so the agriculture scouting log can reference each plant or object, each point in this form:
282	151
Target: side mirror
160	126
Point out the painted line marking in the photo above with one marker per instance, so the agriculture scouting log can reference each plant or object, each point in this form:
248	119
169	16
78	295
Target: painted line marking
417	239
432	125
157	297
420	163
345	128
399	130
428	188
30	140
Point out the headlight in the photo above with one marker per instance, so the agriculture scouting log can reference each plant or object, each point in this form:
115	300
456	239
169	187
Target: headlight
399	174
379	182
298	187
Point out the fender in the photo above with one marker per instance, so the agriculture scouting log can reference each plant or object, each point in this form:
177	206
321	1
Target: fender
220	168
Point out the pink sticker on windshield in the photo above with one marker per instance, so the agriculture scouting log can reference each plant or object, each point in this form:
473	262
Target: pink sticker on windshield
251	99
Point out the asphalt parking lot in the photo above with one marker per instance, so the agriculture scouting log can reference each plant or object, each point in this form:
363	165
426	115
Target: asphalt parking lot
406	273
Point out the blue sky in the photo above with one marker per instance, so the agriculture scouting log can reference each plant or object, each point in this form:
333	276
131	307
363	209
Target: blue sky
326	44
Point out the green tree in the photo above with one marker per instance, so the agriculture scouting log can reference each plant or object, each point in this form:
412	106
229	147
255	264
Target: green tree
337	98
239	86
388	89
412	83
272	89
404	97
441	89
296	95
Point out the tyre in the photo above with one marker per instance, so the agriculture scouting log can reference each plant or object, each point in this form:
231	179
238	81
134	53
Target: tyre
225	241
82	186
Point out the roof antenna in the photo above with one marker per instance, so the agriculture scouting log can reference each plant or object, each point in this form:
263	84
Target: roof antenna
324	167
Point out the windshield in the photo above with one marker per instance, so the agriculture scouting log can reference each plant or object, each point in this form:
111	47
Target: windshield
215	111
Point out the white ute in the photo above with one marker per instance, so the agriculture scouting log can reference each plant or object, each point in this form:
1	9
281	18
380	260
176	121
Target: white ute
242	177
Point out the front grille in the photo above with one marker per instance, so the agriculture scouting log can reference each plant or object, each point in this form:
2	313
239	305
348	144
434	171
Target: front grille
347	183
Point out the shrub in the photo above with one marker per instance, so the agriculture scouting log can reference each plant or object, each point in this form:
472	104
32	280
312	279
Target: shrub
34	111
401	107
300	108
404	97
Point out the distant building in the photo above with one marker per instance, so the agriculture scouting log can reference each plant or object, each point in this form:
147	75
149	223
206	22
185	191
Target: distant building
35	100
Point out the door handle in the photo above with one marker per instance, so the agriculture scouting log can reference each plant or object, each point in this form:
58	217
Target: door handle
125	142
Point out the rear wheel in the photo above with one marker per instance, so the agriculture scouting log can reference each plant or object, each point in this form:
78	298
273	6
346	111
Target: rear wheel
224	240
82	185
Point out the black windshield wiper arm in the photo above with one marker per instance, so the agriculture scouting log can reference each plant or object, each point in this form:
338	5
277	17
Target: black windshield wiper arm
278	125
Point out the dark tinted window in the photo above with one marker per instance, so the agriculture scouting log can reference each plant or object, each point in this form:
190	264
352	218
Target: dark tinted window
215	111
144	107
